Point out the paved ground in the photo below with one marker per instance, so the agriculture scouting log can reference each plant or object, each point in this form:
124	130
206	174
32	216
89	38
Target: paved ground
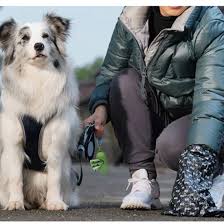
100	201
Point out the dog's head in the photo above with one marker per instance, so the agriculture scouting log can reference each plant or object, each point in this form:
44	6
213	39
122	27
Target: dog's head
35	43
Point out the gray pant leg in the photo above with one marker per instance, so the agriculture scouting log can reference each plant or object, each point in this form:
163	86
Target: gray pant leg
131	119
172	142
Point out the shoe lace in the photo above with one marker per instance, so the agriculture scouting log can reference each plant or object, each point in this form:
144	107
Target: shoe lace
139	184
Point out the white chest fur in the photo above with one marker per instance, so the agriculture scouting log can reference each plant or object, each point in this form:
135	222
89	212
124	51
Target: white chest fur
39	92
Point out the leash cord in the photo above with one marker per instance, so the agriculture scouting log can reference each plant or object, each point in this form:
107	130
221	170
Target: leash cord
79	177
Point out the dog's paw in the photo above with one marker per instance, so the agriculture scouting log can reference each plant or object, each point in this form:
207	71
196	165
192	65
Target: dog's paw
14	205
43	206
55	205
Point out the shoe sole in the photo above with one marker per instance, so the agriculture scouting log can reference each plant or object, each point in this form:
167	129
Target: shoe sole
156	204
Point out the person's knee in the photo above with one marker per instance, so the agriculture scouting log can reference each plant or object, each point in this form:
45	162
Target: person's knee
166	152
172	141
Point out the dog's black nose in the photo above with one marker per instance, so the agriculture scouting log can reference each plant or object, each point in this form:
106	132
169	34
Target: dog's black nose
38	46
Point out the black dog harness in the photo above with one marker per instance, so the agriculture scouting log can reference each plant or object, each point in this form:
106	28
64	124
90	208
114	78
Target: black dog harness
32	140
32	132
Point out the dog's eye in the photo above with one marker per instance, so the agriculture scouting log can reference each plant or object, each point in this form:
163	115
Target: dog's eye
45	35
25	37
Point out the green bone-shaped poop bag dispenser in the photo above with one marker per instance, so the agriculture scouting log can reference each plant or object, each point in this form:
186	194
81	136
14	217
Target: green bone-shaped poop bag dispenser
100	162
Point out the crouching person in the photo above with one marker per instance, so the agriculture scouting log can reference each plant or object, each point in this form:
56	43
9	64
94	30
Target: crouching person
162	87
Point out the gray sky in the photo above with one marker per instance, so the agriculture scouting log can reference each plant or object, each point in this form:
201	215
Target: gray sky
91	29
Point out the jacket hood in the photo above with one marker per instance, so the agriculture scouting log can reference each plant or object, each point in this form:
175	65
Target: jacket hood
135	18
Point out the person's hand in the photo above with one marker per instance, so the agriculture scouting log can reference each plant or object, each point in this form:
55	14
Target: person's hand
99	117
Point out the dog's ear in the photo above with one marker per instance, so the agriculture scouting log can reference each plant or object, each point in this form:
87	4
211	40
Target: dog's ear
7	31
58	25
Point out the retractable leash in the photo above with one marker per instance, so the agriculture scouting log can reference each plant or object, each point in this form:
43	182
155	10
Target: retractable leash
86	145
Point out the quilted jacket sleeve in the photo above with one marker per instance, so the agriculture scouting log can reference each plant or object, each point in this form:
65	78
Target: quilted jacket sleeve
116	60
208	102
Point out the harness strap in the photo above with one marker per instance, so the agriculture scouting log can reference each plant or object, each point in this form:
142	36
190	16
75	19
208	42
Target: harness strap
32	141
31	130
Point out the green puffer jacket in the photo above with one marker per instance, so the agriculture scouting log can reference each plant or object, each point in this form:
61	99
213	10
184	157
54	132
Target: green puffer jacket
185	64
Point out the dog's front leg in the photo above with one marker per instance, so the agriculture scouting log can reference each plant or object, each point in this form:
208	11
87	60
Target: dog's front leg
15	180
59	135
12	162
56	151
54	200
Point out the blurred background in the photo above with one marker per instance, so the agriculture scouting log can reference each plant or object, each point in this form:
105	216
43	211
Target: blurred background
91	27
91	30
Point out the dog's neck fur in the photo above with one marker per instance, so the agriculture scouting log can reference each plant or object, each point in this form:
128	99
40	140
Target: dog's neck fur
38	92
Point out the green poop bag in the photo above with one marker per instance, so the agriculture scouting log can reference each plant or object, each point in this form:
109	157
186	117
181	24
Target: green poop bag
100	162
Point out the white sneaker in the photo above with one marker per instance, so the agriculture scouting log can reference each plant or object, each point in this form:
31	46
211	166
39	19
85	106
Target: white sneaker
144	193
217	190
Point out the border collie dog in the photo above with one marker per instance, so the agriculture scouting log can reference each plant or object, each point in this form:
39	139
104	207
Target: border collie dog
39	123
